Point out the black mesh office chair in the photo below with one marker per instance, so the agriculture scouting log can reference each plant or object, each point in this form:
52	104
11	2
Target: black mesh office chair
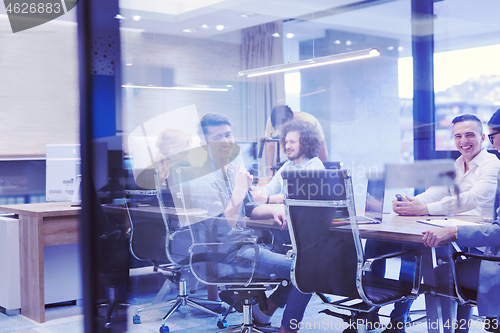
465	296
333	165
112	263
242	289
496	205
329	257
461	295
164	243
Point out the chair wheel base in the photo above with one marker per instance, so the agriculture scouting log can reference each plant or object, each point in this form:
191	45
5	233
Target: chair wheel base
222	324
137	319
164	329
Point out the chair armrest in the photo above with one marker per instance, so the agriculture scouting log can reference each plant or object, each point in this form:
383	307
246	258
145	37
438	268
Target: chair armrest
475	256
462	297
221	256
243	242
367	266
109	234
172	234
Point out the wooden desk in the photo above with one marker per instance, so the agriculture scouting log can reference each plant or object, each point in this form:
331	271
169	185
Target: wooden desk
40	224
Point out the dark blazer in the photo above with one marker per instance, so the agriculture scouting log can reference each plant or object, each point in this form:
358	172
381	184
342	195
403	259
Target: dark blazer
488	295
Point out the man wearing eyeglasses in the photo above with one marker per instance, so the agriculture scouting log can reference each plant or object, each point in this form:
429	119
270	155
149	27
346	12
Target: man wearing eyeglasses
476	178
494	129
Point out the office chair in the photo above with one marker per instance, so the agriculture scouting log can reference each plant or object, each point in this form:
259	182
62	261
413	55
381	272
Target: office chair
241	289
112	262
496	204
459	294
466	296
333	165
165	244
462	295
329	257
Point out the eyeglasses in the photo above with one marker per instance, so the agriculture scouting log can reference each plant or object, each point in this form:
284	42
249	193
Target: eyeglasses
490	136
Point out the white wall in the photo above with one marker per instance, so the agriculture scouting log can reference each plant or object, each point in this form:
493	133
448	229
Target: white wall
38	87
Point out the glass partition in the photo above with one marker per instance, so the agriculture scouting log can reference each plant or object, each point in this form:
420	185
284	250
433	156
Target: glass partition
378	81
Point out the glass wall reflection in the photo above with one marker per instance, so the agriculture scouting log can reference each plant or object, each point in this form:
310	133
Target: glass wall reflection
183	61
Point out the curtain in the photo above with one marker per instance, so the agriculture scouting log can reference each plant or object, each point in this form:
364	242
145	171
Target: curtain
260	49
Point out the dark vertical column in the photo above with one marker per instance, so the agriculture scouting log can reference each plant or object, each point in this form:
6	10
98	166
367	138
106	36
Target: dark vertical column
99	68
87	227
422	18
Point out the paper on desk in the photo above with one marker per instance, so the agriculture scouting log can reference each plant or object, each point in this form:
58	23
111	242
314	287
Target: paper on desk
444	222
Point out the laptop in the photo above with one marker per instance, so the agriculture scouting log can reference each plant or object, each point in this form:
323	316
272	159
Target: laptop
374	207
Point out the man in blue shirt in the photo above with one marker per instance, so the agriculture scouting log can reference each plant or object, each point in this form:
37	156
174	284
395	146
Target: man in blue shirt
302	146
221	189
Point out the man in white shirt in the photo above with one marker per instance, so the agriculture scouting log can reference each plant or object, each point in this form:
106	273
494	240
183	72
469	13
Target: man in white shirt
476	177
302	146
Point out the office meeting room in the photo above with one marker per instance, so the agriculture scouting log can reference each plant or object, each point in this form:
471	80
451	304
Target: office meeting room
201	166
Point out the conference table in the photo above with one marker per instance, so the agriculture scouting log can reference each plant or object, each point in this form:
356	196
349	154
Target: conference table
404	229
54	223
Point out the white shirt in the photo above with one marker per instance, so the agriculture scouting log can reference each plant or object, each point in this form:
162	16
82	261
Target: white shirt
477	188
275	186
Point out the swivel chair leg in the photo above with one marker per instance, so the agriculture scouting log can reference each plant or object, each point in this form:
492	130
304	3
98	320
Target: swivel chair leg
184	299
111	306
181	299
248	326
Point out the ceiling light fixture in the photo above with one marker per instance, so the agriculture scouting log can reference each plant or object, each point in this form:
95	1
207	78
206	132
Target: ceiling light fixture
219	27
136	17
205	26
289	35
131	29
196	88
276	35
315	62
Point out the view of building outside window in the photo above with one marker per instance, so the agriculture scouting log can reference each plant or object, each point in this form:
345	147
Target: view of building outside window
465	81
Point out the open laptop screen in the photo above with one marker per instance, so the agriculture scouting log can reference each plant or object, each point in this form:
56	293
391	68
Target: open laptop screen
375	198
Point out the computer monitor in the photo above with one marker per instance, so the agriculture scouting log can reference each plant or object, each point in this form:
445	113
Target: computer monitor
63	165
248	151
